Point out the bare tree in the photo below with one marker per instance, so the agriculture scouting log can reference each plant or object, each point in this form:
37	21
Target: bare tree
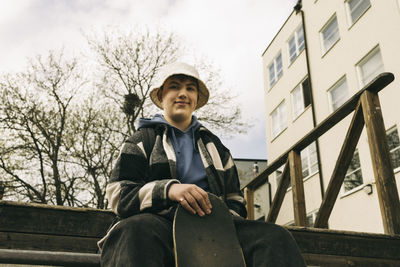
33	116
95	139
130	63
60	135
220	114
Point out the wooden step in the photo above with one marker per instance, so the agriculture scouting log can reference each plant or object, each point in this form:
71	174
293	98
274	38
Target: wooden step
345	248
46	258
51	235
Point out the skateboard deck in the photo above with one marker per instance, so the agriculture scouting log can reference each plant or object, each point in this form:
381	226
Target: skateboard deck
208	241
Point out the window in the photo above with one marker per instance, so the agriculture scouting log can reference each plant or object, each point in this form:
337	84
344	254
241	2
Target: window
394	147
330	34
275	69
370	66
272	78
309	163
278	62
353	176
278	119
296	44
301	97
338	94
309	160
297	101
356	8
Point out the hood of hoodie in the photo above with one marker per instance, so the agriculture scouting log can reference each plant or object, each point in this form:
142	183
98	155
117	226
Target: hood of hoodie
159	119
173	131
189	165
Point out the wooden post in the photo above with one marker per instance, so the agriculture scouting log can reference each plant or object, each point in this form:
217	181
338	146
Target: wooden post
339	172
249	195
296	178
385	181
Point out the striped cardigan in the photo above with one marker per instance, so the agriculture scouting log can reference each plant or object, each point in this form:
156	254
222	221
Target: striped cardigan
140	184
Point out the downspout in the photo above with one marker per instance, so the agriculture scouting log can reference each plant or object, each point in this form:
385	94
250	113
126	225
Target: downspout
298	9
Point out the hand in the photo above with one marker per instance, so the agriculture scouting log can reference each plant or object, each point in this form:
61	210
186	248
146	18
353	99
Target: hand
191	197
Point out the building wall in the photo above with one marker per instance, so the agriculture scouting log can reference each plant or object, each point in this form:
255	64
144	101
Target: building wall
246	172
245	168
378	26
292	76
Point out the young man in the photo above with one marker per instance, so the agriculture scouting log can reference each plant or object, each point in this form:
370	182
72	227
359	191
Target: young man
185	162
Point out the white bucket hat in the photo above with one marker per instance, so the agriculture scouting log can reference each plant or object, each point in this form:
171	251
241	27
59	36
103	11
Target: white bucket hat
179	68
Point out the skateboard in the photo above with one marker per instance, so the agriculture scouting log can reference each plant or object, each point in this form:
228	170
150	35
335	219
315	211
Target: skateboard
208	241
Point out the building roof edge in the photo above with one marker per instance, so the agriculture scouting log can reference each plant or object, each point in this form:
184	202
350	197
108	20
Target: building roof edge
280	29
251	159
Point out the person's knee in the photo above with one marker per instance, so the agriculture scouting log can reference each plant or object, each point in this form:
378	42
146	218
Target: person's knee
278	234
262	233
267	244
141	240
278	230
265	235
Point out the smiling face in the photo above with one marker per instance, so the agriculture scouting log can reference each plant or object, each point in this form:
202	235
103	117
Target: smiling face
179	97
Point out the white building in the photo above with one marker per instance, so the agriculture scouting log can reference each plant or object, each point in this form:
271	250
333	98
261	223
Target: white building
322	55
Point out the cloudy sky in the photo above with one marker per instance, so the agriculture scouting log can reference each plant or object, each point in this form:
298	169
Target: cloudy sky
230	33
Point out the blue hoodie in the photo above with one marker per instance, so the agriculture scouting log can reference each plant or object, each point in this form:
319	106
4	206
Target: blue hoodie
190	168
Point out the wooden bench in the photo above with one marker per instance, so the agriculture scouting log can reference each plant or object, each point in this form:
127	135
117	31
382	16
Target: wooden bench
51	235
62	236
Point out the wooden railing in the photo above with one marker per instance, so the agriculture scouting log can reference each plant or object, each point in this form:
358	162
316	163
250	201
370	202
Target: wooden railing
367	111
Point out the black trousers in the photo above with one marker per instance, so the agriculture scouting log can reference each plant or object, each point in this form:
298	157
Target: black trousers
145	240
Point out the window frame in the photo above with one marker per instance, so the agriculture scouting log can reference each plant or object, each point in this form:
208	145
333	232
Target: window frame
358	187
303	100
307	152
278	73
365	59
389	131
294	99
325	50
284	125
349	12
336	85
295	37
